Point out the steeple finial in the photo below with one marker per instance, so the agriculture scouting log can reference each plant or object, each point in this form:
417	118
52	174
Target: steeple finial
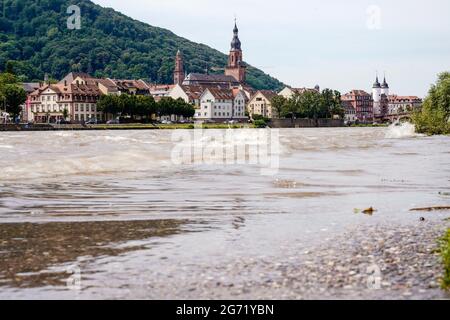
235	43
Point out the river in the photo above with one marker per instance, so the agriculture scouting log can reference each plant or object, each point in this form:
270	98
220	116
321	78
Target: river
114	214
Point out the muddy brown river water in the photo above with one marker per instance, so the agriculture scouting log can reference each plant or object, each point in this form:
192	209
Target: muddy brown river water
111	214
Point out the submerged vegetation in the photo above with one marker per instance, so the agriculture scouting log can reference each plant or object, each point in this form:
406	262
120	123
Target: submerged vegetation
435	115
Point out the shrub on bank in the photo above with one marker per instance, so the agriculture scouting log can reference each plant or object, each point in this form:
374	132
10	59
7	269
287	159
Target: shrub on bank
260	124
445	254
431	121
435	115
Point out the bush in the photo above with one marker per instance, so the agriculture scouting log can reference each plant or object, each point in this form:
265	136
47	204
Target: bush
260	124
445	254
431	122
434	118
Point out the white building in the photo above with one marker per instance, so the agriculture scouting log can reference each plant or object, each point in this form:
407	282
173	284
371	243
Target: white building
239	104
221	105
189	94
350	113
160	90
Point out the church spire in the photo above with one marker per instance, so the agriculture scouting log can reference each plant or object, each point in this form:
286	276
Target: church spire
377	83
385	84
236	67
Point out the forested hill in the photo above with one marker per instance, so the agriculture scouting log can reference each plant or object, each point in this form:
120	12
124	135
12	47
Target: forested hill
34	35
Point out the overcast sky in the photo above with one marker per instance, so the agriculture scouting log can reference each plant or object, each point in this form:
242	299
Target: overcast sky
336	44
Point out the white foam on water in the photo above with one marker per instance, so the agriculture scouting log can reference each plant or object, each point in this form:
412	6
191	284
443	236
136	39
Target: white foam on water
401	130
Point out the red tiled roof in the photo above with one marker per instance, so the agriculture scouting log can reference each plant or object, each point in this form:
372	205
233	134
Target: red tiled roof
193	92
356	92
268	94
396	98
79	89
224	94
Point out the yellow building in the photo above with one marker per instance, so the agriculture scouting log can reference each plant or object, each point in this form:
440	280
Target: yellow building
261	103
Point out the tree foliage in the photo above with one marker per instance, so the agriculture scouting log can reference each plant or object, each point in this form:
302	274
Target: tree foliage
34	40
309	104
144	106
12	95
435	115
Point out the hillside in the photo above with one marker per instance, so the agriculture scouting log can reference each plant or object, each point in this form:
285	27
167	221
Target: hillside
35	36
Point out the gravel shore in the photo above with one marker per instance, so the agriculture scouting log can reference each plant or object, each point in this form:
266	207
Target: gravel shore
367	262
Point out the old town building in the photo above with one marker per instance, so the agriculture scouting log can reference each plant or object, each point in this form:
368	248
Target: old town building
361	102
51	102
159	91
239	104
210	80
189	94
29	88
221	105
261	104
404	104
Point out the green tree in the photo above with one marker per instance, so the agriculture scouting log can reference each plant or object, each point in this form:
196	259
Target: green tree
292	107
165	106
14	96
65	113
108	104
145	106
332	104
435	114
279	104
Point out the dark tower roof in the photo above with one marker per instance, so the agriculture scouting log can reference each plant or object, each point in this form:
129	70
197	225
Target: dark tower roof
385	84
236	43
377	83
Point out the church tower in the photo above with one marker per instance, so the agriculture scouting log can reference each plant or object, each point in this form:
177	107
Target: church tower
179	75
236	67
376	95
376	90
